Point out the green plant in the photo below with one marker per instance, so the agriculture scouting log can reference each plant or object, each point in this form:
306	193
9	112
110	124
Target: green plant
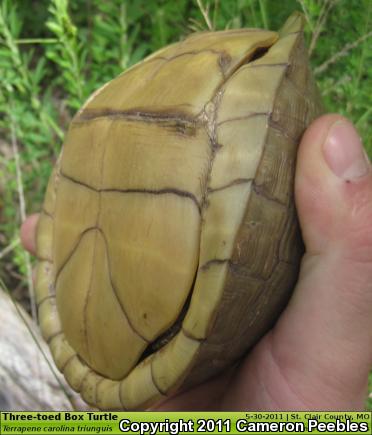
67	53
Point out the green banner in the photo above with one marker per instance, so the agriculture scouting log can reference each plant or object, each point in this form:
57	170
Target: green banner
151	423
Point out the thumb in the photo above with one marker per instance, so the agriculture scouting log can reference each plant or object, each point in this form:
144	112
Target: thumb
334	188
324	338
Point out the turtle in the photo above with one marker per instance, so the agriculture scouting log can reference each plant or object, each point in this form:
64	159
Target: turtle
168	243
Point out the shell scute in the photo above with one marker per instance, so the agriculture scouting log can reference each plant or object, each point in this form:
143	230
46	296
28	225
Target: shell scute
150	86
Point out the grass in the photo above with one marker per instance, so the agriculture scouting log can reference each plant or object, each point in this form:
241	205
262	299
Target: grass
54	53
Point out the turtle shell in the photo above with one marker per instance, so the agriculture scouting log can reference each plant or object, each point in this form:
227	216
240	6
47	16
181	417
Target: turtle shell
168	241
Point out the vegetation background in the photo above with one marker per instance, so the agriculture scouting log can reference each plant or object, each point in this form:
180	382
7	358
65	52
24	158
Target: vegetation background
55	53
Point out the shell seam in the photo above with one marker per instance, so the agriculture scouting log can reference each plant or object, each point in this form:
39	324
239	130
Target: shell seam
163	191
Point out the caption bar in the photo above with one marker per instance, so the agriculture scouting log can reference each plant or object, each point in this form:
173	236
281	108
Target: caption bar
174	423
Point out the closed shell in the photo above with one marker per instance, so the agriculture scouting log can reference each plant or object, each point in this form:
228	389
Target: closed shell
168	241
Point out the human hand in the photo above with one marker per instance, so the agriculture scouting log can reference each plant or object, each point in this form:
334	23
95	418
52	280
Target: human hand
319	353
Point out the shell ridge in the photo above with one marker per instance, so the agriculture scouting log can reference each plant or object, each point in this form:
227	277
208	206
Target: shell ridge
241	118
260	192
71	253
87	296
214	261
56	334
258	50
276	126
47	213
186	53
67	362
163	393
136	114
44	299
233	182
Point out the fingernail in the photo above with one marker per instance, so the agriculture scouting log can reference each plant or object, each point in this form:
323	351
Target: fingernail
344	153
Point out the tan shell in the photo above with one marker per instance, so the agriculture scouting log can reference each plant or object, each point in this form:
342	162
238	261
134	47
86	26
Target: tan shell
168	242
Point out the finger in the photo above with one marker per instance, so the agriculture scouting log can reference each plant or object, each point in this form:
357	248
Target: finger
325	335
203	397
28	233
333	182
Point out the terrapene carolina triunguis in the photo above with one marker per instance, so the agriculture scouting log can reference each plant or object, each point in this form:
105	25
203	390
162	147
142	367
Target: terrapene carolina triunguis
168	242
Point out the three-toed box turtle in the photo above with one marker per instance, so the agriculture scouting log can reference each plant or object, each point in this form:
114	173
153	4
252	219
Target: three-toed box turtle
168	242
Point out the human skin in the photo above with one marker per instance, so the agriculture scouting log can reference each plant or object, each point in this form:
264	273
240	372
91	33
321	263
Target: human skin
319	353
